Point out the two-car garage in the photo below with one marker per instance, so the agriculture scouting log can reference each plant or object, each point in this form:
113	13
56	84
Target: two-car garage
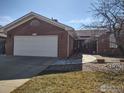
36	35
46	46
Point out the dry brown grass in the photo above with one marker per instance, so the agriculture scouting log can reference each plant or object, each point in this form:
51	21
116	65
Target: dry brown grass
72	82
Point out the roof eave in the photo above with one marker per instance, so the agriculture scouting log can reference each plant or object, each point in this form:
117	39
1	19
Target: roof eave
32	15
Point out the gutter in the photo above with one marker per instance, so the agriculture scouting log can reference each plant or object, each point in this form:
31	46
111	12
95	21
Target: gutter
68	45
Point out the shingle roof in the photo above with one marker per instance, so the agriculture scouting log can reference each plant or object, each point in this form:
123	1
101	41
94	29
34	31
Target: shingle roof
32	15
89	32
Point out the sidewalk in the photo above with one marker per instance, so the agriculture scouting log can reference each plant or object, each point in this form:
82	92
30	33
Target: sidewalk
94	58
108	59
6	86
88	58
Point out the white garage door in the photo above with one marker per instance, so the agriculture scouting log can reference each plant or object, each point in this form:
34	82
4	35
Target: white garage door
46	46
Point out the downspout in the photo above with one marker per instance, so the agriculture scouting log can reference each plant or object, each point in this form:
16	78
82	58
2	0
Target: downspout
68	45
97	47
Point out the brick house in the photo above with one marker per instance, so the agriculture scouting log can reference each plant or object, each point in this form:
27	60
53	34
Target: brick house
36	35
88	40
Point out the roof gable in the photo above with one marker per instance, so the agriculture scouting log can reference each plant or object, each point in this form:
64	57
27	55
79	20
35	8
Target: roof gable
32	15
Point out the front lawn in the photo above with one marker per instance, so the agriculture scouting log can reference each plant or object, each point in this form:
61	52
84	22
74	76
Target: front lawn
71	82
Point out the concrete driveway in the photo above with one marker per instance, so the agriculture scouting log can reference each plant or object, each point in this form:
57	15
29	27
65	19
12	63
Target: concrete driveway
14	71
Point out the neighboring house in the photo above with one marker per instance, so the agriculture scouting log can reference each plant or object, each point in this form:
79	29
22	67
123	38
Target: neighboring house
2	42
36	35
88	40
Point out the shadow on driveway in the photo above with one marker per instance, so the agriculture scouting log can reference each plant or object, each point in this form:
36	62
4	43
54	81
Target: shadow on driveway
23	67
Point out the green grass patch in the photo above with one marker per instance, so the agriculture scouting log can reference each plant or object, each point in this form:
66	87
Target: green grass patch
72	82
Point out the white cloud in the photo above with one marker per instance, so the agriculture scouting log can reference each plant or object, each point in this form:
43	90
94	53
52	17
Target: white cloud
5	20
82	21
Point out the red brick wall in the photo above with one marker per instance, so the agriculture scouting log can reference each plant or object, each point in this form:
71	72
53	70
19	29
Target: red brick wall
71	46
43	28
103	43
104	46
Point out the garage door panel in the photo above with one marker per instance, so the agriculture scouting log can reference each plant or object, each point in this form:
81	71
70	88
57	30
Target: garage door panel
31	53
36	46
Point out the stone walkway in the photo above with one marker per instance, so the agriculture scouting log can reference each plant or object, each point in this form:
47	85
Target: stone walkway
106	67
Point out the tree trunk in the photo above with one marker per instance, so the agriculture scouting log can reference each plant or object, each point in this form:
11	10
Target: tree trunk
119	42
121	48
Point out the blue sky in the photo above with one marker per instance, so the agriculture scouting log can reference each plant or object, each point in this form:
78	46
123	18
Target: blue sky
70	12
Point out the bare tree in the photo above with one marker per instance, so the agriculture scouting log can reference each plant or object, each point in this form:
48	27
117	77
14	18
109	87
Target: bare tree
111	15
